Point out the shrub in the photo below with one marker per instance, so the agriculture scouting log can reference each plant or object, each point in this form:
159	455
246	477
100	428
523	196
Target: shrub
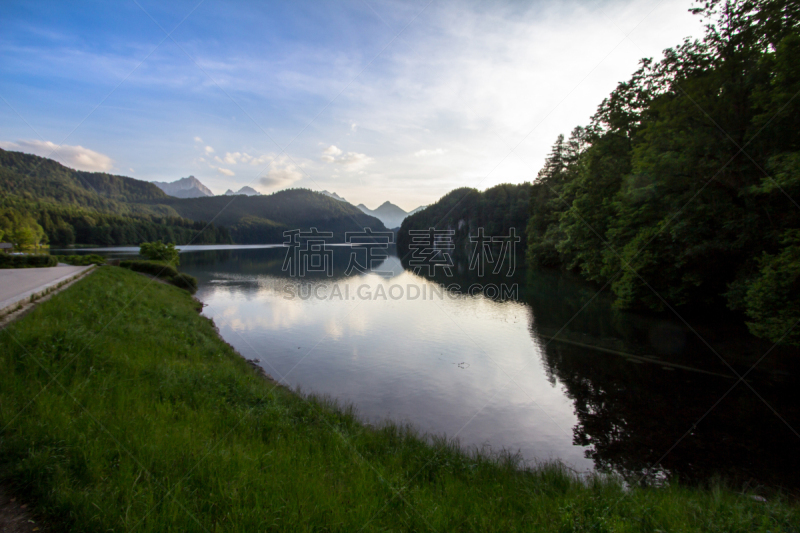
163	271
27	261
185	281
154	268
158	251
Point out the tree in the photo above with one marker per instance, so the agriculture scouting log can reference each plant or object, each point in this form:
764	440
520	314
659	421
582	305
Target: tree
158	251
682	191
20	229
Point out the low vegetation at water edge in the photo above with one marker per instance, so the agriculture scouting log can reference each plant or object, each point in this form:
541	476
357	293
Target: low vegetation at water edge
121	409
27	260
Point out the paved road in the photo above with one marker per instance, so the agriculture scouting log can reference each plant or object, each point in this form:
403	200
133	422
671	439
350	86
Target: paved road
20	283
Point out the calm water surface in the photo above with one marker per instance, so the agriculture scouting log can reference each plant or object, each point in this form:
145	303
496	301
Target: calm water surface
555	373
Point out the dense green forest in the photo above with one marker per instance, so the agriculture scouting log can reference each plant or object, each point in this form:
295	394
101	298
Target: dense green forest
38	179
46	202
258	219
464	210
680	191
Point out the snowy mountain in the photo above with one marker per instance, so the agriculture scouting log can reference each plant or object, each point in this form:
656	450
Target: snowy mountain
184	188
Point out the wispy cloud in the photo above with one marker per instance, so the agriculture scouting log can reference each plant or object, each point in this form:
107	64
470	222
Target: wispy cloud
442	105
282	173
351	161
72	156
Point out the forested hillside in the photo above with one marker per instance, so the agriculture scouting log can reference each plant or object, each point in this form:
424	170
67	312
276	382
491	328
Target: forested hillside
682	190
464	210
44	201
254	219
35	178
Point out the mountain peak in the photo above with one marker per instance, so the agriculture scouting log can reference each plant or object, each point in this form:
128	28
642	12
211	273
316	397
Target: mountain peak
247	191
388	213
333	195
189	187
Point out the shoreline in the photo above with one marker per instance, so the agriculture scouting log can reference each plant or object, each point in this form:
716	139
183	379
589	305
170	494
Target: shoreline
157	423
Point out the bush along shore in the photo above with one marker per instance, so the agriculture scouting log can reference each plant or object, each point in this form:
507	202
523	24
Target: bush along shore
27	261
164	271
121	409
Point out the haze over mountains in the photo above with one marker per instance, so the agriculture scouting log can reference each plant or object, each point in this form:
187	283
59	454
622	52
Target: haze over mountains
247	191
192	187
391	215
388	213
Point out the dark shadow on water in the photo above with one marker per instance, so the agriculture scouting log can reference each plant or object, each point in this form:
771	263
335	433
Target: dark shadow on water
658	399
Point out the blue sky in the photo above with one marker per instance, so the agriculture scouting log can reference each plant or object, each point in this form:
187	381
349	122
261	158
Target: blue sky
375	100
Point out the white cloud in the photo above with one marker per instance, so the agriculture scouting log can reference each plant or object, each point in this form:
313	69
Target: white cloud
353	161
263	160
232	158
72	156
235	157
131	170
425	153
329	154
198	140
282	174
279	178
225	171
209	150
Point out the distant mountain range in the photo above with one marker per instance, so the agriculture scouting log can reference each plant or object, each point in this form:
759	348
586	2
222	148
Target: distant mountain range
73	206
391	215
191	187
388	213
184	188
247	191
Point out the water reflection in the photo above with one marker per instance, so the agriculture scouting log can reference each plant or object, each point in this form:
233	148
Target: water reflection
554	373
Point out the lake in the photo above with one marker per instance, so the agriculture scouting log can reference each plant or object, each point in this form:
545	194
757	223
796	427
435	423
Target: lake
535	363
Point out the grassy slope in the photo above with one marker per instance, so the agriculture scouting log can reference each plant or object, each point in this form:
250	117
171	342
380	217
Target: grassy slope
155	424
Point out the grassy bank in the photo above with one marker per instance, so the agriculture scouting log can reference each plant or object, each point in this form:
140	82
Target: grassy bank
154	424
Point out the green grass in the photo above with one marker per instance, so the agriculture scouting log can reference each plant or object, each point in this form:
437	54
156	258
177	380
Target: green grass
155	424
